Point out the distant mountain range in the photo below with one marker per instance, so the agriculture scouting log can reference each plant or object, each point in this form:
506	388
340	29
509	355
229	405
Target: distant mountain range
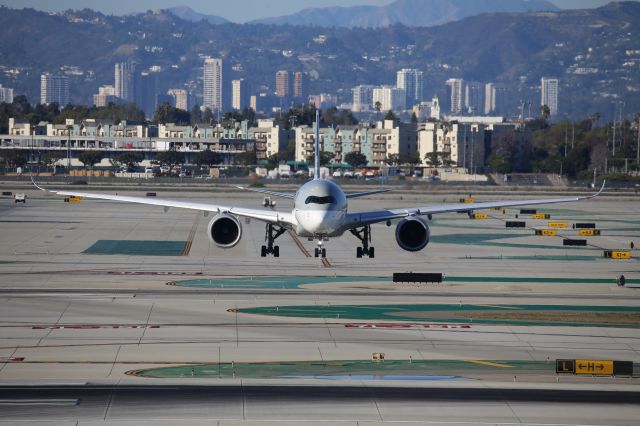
412	13
594	52
188	14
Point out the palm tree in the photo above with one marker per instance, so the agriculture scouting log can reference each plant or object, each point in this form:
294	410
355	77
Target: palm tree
378	107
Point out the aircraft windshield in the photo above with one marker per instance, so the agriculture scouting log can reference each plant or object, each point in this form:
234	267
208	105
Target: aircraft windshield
320	200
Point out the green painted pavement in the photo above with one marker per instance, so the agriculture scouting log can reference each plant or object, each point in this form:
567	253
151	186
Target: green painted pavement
137	247
286	282
447	313
342	368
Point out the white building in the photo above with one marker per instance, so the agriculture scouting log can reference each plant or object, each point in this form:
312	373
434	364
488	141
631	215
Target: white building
456	95
239	94
212	93
412	81
180	98
494	98
124	80
362	98
105	95
54	88
390	98
474	97
428	110
6	94
459	145
549	94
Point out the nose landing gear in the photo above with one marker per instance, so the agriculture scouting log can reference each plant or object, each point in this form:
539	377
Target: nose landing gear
364	235
320	251
273	232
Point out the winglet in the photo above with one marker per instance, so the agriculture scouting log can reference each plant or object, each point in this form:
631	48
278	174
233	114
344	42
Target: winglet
33	181
604	182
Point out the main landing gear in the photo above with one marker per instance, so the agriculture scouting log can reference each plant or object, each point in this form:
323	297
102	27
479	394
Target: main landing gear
273	232
364	235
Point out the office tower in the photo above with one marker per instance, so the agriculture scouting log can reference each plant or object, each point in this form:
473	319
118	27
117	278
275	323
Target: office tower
549	94
239	94
6	94
212	93
106	94
282	83
362	98
54	88
180	98
299	85
390	98
494	98
412	81
124	81
146	93
454	86
474	97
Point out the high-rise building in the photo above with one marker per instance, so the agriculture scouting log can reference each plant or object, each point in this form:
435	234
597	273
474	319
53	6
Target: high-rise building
282	84
106	94
212	93
474	97
412	81
146	93
6	94
124	81
390	98
456	96
299	85
549	94
54	88
362	98
494	98
180	98
239	94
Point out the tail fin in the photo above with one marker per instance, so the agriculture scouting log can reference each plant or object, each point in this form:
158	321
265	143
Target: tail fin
316	168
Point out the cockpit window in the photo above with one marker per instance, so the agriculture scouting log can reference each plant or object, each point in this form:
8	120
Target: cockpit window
320	200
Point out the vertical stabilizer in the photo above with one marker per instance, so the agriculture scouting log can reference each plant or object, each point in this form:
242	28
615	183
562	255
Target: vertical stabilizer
316	168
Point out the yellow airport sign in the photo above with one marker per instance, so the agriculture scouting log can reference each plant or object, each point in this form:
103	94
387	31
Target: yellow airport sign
588	232
73	199
467	200
562	225
541	216
480	216
547	232
617	254
594	366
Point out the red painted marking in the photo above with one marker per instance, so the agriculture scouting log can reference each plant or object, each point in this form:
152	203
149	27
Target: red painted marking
405	326
12	359
91	327
152	273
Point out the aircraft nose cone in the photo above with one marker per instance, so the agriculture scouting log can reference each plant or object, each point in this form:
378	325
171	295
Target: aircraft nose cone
317	221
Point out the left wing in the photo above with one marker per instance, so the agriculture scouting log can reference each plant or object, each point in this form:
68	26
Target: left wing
258	214
366	218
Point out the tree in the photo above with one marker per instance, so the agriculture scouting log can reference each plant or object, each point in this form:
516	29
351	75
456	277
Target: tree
411	160
390	116
545	112
499	164
392	160
433	159
90	158
130	159
196	114
355	159
325	158
165	113
208	158
246	158
169	158
207	117
273	160
50	158
377	106
13	158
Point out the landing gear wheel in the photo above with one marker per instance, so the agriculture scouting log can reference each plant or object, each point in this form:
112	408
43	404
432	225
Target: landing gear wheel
273	232
276	251
372	253
323	252
317	252
364	235
263	251
359	252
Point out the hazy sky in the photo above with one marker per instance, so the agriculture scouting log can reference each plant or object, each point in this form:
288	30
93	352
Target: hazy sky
234	10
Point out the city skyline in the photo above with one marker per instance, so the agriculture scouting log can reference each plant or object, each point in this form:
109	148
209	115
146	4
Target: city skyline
240	11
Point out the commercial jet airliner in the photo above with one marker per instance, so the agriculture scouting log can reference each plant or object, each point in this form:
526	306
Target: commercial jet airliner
319	213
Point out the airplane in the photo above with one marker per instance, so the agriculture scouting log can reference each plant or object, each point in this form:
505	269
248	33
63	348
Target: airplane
319	212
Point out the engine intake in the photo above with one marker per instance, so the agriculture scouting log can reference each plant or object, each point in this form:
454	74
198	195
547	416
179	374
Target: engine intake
225	230
412	234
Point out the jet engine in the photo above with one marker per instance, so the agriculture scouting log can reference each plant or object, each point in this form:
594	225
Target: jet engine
412	234
225	230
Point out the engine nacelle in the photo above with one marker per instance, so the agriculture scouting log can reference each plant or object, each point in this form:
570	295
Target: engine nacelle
225	230
412	234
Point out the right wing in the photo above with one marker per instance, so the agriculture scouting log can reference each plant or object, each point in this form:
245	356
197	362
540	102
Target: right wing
258	214
355	220
268	192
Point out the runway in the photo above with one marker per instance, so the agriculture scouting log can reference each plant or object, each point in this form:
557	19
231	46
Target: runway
70	314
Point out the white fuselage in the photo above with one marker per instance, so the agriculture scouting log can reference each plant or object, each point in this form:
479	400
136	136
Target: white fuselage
319	209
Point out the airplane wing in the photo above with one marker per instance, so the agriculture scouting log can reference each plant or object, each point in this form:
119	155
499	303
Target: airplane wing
266	191
365	193
355	220
258	214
